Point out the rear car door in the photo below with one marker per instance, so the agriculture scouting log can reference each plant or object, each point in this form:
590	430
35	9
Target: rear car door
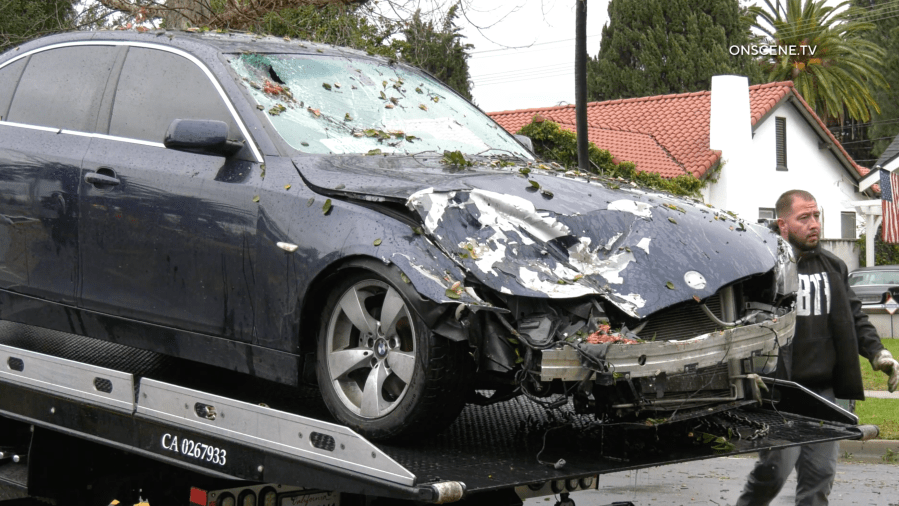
49	102
169	237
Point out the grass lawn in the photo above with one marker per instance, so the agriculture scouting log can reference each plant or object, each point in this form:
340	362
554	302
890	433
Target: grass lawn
876	380
881	412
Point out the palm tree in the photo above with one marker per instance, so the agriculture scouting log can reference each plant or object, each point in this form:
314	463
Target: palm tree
839	76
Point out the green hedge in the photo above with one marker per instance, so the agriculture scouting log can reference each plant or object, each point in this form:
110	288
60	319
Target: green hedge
556	144
884	253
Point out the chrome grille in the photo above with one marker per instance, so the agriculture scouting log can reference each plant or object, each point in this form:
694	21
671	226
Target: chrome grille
682	321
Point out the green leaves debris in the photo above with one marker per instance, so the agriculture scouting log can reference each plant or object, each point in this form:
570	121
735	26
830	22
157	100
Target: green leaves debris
675	208
377	242
455	291
327	207
326	86
455	158
373	152
256	198
535	184
669	285
405	278
672	220
718	443
277	109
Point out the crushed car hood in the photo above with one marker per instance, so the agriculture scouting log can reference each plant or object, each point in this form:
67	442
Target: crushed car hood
558	235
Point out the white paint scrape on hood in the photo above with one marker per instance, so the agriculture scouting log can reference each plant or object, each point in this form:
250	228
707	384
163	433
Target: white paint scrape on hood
574	240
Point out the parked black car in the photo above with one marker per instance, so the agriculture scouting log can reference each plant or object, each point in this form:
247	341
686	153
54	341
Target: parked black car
301	212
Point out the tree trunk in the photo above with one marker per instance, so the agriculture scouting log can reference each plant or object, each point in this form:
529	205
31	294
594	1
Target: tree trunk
183	14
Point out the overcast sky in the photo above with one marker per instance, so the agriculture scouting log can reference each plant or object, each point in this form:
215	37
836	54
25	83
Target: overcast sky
536	76
542	74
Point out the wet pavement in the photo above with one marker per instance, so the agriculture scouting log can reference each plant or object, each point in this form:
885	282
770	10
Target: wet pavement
719	482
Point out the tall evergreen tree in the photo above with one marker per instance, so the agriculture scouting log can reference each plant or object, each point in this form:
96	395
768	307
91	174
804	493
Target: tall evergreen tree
439	50
653	47
22	20
884	125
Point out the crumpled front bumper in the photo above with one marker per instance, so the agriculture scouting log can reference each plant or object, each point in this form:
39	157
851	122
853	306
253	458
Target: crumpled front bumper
758	342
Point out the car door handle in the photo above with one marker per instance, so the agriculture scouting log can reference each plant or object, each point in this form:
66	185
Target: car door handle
99	179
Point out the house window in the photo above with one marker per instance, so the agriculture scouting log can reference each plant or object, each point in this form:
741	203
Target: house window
847	225
766	213
780	126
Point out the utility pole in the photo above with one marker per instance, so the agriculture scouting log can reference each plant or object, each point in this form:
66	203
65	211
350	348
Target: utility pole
580	84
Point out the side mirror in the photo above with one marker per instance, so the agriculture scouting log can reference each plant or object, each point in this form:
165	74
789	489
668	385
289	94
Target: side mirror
528	143
200	136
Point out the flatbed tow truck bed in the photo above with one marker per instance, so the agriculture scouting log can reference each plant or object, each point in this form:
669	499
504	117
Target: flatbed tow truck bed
210	423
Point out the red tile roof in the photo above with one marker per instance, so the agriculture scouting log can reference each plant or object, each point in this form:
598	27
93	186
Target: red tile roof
668	134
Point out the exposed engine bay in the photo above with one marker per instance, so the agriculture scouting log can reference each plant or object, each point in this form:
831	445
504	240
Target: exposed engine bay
692	355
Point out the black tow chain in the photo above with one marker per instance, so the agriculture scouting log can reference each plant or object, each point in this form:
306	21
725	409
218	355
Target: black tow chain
761	429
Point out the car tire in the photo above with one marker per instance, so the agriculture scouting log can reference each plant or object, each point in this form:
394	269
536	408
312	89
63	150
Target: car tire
380	370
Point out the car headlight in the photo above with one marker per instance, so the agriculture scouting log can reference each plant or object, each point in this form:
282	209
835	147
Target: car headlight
786	270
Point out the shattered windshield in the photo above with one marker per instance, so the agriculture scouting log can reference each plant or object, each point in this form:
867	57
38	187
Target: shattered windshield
338	105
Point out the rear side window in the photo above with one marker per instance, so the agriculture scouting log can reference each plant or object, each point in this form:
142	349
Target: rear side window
9	77
62	88
157	87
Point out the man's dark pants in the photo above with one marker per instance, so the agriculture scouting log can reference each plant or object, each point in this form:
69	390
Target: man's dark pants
815	466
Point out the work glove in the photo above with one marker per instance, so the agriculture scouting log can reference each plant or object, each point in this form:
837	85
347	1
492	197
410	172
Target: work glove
885	362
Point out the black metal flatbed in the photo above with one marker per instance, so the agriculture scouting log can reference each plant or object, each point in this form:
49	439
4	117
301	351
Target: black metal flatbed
489	448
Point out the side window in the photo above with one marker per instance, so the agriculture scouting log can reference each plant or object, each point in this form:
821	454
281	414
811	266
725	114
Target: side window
157	87
62	88
9	78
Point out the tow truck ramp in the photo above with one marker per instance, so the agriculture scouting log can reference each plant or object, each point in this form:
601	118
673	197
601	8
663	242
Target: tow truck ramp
218	425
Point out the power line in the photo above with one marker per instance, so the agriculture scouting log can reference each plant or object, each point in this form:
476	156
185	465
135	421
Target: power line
531	78
504	73
869	16
527	47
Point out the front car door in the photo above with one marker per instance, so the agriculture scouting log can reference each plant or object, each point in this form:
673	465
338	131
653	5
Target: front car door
168	237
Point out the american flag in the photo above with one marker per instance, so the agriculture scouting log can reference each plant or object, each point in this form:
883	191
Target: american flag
888	182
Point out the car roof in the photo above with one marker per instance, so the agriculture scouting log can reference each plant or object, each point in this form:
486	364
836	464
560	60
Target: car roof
876	268
200	44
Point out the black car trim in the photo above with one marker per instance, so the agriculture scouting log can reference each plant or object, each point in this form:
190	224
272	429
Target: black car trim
193	59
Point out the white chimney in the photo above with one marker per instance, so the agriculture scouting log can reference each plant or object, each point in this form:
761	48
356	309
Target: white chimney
730	131
730	125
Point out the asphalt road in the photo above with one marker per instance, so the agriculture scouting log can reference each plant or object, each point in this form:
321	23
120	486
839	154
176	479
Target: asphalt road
719	482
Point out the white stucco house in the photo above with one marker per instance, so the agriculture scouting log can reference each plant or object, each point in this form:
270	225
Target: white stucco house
752	142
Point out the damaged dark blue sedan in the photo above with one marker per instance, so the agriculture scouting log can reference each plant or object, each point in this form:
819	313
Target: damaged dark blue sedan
305	213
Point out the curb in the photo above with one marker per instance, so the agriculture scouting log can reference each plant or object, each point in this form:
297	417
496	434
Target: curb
875	451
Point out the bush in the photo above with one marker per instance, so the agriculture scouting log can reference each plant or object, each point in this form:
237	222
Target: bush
556	144
884	253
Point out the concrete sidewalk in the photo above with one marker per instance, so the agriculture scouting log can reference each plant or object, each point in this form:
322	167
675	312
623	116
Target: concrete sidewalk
881	394
875	451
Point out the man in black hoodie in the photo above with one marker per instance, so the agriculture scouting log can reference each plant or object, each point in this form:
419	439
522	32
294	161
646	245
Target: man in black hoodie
831	331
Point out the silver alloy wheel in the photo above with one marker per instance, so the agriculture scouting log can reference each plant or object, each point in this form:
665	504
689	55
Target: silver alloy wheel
371	348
